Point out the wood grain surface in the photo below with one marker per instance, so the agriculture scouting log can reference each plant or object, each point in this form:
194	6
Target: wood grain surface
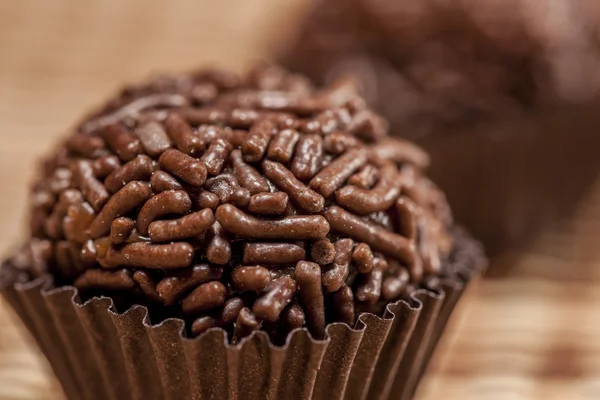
532	335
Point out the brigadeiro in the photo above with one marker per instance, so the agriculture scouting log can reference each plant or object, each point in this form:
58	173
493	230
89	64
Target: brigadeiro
502	94
214	236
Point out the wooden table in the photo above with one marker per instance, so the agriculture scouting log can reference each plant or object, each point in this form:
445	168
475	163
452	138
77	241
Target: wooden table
532	335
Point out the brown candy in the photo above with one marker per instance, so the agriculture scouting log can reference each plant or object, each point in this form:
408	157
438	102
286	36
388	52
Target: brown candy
204	199
247	176
365	178
101	247
323	252
278	295
339	142
121	141
133	195
362	257
153	137
60	180
164	203
382	263
153	256
209	115
177	284
369	288
147	285
133	108
162	181
330	178
282	146
202	324
380	198
367	125
88	254
300	227
183	137
378	238
104	166
205	297
268	203
273	253
290	210
215	156
254	279
255	146
189	226
86	145
231	310
308	277
229	314
208	133
242	118
240	197
401	152
183	166
77	221
283	178
336	275
138	169
224	187
245	324
92	189
323	124
234	136
121	229
407	222
292	317
395	283
218	250
308	158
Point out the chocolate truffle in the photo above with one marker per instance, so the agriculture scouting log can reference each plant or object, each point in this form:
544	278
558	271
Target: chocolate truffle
240	202
453	62
211	235
499	93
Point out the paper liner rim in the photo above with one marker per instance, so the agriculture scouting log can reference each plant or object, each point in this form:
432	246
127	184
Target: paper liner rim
414	302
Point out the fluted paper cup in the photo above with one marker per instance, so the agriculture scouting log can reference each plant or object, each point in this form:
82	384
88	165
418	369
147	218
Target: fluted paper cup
98	352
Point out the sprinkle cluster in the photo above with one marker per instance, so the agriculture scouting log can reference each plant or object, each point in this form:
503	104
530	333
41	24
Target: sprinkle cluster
254	202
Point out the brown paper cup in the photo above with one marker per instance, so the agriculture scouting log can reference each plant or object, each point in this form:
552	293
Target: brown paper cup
98	353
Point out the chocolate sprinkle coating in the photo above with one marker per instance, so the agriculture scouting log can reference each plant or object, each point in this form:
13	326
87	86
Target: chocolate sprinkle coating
267	205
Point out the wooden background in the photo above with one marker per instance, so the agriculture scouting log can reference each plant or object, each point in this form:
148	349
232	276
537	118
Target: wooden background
532	335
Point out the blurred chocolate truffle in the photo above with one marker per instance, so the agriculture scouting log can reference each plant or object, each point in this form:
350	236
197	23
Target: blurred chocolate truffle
431	63
501	93
249	202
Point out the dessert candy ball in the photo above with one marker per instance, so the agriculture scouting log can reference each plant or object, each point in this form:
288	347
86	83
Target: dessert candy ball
240	202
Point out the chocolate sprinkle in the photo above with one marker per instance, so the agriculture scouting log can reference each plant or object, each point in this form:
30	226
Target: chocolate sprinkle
252	205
